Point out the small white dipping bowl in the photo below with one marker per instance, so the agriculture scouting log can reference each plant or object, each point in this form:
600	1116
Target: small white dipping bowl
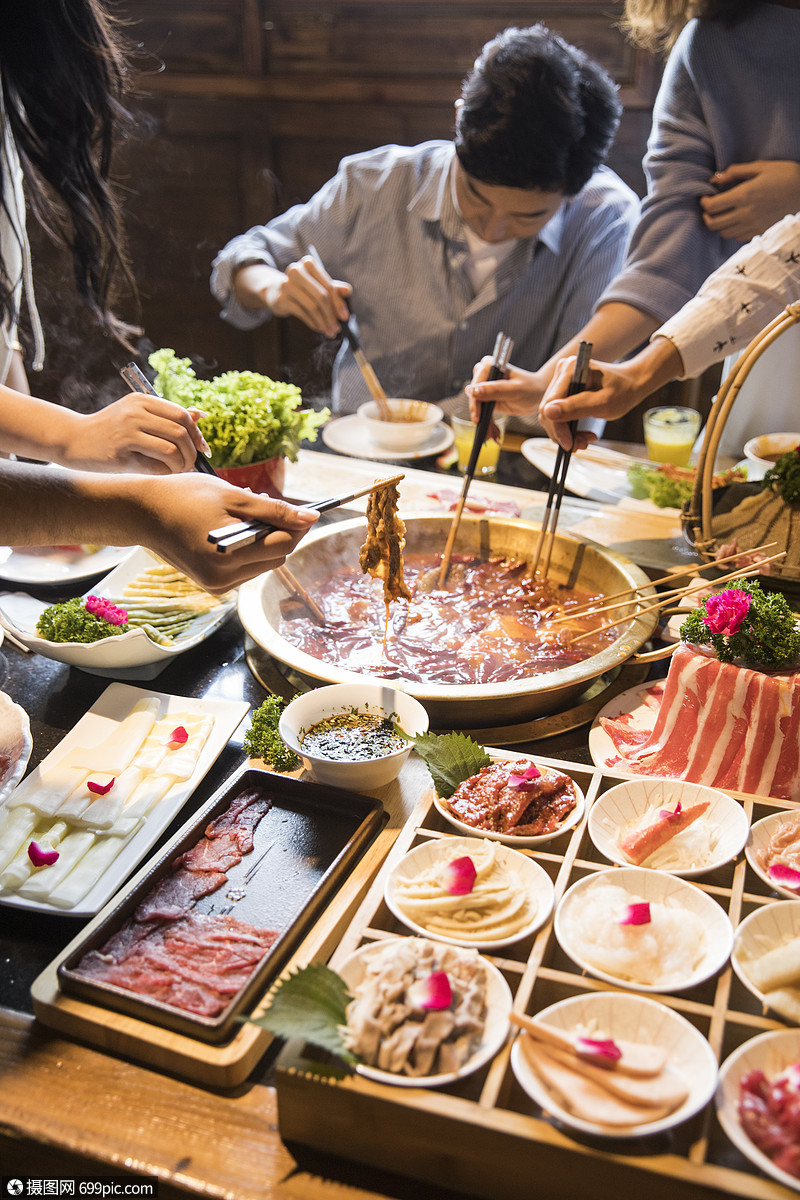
413	424
373	699
759	448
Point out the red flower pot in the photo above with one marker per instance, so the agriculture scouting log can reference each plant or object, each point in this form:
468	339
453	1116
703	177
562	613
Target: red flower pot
267	476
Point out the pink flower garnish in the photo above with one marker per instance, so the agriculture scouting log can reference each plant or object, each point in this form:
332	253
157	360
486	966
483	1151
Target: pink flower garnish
637	914
460	875
784	875
525	782
670	813
602	1049
101	607
178	737
100	789
40	857
725	611
431	993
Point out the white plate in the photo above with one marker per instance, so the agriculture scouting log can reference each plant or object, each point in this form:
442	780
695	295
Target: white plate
510	839
131	655
634	1019
594	474
770	1053
53	564
348	435
534	881
621	806
495	1032
655	887
16	744
766	928
643	717
760	834
109	710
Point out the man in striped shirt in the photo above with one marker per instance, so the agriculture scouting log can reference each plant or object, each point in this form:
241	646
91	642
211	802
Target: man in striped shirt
516	225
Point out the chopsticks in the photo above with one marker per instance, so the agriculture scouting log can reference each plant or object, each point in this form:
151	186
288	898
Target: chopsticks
364	366
559	477
245	533
293	585
502	352
137	381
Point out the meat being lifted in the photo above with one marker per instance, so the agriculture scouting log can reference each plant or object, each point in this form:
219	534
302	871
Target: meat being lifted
381	556
725	726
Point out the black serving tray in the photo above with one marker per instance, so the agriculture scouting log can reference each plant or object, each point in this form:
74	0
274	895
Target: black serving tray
304	848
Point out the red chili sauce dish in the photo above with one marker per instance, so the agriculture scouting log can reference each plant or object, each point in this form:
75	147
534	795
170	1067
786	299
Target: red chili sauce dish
515	798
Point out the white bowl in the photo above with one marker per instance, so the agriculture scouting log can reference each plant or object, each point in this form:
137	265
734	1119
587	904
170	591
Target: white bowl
656	887
634	1019
16	744
414	422
375	699
758	448
771	1053
495	1030
534	884
766	928
622	806
760	835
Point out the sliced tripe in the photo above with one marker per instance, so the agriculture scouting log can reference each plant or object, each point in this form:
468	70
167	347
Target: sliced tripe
581	1096
17	826
47	836
70	850
116	751
665	1090
86	872
46	790
636	1058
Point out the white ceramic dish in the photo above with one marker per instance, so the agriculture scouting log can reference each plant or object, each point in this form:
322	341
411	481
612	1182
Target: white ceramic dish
636	1019
534	880
109	710
414	424
766	928
16	744
510	839
770	443
760	834
498	1007
642	706
655	887
593	474
131	655
349	435
375	699
770	1053
616	810
58	564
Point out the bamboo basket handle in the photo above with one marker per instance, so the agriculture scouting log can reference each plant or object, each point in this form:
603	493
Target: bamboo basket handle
698	515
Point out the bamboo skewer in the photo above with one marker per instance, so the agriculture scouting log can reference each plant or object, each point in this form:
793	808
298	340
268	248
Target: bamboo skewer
668	596
293	585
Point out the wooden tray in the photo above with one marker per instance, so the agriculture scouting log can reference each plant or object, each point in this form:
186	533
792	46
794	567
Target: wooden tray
484	1136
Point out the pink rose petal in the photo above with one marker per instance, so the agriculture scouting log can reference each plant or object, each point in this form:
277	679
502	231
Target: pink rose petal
100	789
460	875
784	875
637	914
40	857
432	993
178	737
670	813
600	1049
526	781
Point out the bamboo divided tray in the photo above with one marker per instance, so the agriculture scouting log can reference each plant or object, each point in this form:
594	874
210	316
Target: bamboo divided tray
483	1136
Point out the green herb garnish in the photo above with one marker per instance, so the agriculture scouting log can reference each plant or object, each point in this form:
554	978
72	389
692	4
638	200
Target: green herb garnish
746	624
784	477
73	622
250	418
450	757
310	1003
262	739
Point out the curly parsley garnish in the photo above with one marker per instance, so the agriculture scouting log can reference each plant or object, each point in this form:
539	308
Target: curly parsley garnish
744	623
262	739
784	477
78	620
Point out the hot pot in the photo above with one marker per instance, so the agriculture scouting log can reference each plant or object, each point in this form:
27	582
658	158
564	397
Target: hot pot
574	563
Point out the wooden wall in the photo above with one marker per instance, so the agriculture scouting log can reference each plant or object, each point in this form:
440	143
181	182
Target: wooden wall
244	107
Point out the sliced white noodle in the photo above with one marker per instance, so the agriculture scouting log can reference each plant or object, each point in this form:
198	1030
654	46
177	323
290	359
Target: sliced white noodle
47	837
118	748
70	850
85	874
46	791
15	831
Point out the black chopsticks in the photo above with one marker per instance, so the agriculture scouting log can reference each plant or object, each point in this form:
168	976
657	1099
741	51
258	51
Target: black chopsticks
245	533
137	381
502	353
559	477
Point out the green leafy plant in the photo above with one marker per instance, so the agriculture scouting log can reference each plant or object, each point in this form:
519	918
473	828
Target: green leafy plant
784	477
310	1003
744	623
249	417
262	739
450	757
75	621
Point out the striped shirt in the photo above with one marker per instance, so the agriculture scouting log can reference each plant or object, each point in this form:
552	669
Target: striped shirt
386	224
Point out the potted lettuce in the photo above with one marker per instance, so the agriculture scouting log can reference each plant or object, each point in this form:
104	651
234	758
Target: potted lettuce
252	423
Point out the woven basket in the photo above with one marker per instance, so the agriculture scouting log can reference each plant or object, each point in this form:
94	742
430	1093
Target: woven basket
697	516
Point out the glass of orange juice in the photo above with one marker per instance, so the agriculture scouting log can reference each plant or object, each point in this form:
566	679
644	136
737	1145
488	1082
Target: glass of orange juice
670	434
464	434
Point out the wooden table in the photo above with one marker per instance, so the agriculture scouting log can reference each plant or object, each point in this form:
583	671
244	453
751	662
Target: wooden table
68	1110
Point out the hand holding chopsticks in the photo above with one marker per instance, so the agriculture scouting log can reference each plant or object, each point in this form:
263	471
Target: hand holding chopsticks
137	381
245	533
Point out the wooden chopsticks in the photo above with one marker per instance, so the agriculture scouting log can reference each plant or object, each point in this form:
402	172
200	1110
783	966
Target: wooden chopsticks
245	533
137	381
502	352
559	477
